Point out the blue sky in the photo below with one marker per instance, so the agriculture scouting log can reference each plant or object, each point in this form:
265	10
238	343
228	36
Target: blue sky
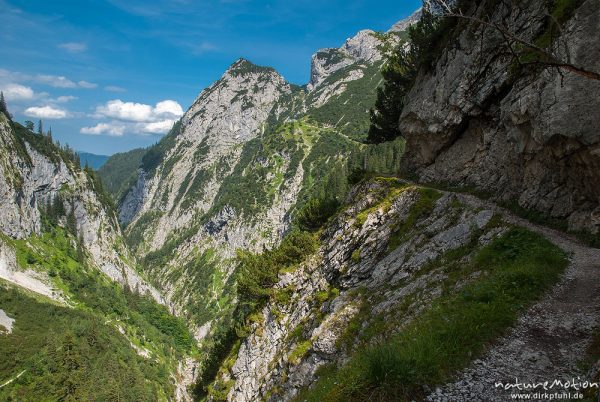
109	76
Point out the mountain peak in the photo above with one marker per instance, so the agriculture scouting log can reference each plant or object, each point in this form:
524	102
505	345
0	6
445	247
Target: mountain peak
405	23
244	66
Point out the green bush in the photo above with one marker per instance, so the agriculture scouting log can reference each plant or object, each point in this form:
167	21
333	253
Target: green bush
257	273
315	213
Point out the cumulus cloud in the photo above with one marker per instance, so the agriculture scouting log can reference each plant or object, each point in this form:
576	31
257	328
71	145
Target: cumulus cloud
73	47
168	107
132	117
112	129
46	112
159	127
15	92
126	111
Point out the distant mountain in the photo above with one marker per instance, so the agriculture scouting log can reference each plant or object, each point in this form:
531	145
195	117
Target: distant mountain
94	161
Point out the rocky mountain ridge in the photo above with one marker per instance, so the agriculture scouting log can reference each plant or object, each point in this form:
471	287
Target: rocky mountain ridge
250	128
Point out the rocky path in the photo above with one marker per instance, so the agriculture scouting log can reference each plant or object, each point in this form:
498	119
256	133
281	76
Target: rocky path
549	340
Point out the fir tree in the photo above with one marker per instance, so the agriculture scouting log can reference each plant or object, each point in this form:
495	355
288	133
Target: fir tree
72	221
40	127
3	107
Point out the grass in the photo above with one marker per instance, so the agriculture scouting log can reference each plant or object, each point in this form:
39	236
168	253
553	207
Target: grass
517	268
590	239
422	207
299	352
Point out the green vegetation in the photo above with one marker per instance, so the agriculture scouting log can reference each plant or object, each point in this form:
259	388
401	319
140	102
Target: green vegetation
592	240
156	154
95	350
45	145
54	252
255	277
315	213
299	352
71	354
516	269
120	172
423	207
259	272
348	112
428	38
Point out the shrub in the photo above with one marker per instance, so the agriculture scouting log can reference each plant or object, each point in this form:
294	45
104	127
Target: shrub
315	213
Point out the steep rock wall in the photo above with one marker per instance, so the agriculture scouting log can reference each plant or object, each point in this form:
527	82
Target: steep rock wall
532	138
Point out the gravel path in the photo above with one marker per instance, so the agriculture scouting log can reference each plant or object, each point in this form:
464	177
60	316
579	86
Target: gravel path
549	340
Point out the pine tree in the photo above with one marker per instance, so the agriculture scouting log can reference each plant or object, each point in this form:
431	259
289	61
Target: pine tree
80	249
50	134
29	125
40	127
72	221
3	107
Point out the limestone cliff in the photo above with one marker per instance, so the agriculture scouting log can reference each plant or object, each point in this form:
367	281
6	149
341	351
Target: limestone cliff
528	134
31	176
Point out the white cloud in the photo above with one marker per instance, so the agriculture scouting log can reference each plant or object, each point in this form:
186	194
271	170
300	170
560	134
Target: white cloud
46	112
159	127
112	129
168	107
15	92
132	117
114	88
73	47
140	112
126	111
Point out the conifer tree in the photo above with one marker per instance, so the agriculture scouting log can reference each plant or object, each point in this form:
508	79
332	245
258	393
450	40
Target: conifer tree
3	107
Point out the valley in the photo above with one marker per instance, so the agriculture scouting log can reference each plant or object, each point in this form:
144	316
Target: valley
417	222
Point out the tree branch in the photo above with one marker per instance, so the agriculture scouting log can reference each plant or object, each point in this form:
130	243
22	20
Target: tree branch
548	59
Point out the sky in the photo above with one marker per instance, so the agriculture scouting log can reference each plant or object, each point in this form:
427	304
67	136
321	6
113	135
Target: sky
109	76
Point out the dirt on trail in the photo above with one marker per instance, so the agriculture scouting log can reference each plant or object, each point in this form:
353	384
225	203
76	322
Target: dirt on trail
549	340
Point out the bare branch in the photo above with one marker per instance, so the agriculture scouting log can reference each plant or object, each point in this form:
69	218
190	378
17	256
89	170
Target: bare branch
547	59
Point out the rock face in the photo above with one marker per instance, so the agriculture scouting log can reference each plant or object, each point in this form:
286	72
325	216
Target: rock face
366	46
30	179
134	199
403	25
530	137
369	268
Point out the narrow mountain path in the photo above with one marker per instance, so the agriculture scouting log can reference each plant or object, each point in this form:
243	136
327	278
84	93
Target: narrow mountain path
549	339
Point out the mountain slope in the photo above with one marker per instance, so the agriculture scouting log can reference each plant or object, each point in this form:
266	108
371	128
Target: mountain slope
68	282
249	149
238	167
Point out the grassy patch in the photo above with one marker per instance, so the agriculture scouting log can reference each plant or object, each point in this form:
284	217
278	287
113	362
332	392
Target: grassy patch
299	352
422	207
517	269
